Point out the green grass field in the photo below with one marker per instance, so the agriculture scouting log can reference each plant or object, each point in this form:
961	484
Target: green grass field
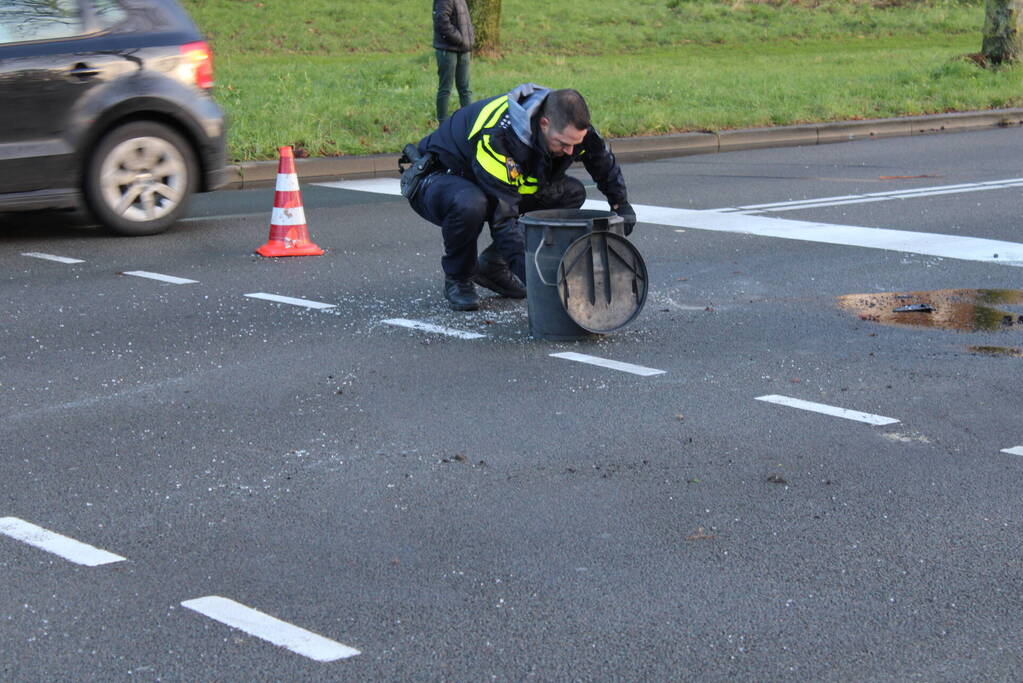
359	76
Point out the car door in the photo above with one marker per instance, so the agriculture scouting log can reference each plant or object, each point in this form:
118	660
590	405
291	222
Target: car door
49	58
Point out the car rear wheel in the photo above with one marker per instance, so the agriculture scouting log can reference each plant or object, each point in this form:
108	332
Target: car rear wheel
140	178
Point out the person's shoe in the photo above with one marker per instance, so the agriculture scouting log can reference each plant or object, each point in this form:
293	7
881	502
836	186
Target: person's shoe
497	277
461	295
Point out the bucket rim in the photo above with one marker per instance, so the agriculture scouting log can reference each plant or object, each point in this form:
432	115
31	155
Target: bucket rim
575	218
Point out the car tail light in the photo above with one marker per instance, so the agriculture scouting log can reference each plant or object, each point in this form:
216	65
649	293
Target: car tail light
197	66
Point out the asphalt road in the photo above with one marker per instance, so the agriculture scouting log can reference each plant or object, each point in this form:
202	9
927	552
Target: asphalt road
467	509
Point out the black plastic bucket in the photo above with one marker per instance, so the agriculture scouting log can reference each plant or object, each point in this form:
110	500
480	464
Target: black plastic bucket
582	276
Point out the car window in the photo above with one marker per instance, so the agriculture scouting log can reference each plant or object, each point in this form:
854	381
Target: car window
108	12
22	20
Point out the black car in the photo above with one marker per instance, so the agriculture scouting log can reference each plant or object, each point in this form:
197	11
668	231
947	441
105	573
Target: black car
106	103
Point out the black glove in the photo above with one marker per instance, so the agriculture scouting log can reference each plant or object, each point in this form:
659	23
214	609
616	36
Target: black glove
626	211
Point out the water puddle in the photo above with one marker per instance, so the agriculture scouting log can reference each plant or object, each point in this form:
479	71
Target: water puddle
961	310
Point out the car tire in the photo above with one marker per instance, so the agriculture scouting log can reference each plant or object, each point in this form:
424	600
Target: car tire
140	178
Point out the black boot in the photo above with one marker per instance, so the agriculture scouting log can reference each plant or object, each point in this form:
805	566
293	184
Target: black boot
461	295
493	273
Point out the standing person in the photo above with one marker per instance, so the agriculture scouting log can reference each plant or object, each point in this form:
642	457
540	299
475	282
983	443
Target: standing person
453	36
495	160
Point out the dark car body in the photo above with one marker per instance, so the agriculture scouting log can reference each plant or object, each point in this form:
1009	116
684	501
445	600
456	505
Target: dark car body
72	72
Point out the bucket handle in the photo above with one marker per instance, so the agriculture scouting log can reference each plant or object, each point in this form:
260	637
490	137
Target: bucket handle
547	240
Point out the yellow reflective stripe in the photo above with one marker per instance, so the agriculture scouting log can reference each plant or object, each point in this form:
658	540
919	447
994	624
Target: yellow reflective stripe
486	117
489	149
498	113
491	161
496	165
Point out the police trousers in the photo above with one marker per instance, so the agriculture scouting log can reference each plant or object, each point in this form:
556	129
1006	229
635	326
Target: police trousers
461	208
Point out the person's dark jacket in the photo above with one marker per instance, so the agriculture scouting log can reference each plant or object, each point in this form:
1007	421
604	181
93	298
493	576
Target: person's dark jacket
452	27
497	143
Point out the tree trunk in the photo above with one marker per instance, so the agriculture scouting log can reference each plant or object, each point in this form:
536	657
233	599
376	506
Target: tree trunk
486	19
1003	31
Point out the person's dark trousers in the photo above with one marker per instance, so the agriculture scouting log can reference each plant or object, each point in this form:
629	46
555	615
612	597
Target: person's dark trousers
452	67
460	208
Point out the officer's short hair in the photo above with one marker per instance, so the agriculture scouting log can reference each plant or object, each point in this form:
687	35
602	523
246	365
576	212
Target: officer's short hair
563	107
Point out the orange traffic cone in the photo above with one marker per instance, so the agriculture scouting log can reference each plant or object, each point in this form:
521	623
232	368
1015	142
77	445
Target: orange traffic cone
288	233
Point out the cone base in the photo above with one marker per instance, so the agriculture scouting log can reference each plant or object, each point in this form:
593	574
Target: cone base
275	249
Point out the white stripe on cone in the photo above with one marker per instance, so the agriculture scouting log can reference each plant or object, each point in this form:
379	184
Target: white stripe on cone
292	216
287	182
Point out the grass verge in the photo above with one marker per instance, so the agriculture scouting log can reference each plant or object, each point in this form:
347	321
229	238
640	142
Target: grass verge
359	77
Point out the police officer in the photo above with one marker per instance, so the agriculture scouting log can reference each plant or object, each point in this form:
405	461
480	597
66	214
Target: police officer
498	159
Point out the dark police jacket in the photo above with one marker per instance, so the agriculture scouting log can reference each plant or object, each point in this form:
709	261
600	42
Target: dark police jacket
452	27
498	145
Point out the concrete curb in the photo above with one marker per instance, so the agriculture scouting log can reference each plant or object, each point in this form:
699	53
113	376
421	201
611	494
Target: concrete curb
252	174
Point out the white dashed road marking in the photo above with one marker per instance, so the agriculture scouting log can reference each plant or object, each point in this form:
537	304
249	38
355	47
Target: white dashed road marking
1016	450
612	364
68	548
290	300
828	410
260	625
162	278
427	327
51	257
